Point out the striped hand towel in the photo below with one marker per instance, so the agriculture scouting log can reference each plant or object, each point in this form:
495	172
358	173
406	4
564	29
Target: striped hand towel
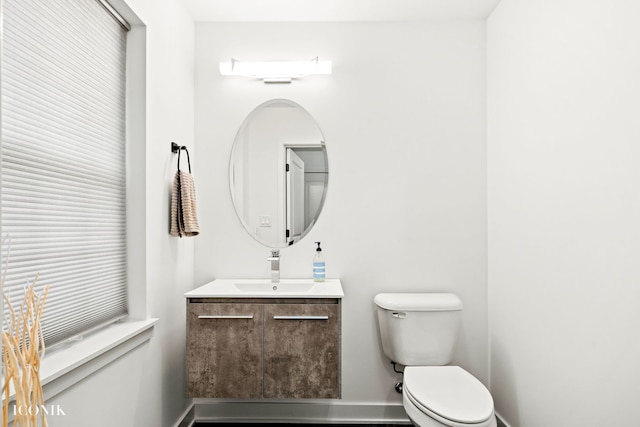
184	221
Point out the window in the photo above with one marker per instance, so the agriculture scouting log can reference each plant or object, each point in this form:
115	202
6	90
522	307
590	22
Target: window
62	160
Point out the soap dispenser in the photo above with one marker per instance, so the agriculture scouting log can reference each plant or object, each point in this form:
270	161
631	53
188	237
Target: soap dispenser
318	265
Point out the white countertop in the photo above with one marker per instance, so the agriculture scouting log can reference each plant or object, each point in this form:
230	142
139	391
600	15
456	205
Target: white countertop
264	288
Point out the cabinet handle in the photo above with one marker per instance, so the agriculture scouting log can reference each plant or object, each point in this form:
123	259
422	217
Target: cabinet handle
301	317
226	317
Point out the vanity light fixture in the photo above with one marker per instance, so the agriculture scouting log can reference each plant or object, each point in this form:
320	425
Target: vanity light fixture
275	71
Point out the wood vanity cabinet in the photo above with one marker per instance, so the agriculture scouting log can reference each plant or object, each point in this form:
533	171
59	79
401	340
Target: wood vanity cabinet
263	348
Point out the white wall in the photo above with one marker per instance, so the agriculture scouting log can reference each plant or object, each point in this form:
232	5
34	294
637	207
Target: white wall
146	387
403	115
564	209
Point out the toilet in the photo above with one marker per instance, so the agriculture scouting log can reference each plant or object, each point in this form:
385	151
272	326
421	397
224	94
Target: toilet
419	331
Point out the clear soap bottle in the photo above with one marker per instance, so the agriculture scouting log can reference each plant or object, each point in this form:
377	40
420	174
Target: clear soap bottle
318	265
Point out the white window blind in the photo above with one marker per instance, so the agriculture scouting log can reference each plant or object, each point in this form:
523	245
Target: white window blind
62	166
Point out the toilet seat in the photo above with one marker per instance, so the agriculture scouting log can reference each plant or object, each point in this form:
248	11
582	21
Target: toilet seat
448	394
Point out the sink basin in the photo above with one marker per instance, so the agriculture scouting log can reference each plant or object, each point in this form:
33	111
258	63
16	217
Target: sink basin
264	288
253	287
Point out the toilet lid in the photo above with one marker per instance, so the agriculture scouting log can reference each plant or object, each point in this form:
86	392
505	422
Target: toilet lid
448	391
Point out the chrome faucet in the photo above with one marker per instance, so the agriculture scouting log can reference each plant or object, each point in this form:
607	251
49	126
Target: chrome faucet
275	266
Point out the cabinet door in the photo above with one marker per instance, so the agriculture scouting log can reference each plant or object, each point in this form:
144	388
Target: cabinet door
302	351
224	350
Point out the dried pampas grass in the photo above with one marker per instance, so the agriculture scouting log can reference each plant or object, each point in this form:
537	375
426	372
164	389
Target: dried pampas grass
22	349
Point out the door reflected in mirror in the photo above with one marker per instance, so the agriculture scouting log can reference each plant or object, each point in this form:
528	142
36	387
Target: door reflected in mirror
278	173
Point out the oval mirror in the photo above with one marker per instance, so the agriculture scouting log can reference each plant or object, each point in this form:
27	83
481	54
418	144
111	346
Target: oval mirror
278	173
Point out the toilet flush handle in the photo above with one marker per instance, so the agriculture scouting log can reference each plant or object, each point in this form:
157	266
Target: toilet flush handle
399	315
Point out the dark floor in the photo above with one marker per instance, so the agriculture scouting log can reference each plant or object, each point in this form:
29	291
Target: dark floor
294	425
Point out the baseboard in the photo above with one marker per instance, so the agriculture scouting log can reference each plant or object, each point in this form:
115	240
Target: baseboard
501	422
320	412
188	418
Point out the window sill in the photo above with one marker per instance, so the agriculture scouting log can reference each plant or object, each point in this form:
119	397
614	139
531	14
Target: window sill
66	366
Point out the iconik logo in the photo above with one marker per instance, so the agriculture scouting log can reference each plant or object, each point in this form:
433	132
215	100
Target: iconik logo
49	410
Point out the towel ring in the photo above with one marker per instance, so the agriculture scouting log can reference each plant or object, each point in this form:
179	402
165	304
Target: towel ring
175	148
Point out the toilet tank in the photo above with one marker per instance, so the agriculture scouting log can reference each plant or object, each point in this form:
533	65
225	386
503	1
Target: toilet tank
418	329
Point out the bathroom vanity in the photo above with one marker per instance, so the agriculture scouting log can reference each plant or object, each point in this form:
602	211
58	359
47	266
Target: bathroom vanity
254	339
270	339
